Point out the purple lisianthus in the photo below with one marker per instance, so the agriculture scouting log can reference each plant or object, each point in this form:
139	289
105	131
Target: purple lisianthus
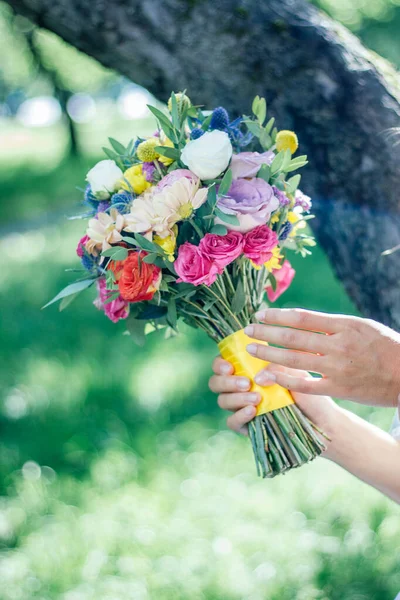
247	164
302	200
251	200
148	171
283	199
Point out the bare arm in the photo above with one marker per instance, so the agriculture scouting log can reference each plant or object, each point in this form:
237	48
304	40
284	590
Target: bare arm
367	452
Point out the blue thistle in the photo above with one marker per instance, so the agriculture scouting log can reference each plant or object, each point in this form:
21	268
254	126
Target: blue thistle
88	262
90	198
219	119
196	133
121	201
285	231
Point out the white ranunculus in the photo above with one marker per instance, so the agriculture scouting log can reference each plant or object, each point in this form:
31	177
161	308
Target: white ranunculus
209	155
103	178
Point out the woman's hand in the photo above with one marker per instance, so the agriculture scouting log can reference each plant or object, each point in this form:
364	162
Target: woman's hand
358	359
234	396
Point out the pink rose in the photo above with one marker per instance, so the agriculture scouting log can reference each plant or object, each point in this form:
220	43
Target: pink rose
247	164
222	249
80	249
174	176
116	309
252	201
284	277
194	267
259	243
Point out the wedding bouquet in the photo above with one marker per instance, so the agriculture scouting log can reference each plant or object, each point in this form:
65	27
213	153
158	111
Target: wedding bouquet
187	225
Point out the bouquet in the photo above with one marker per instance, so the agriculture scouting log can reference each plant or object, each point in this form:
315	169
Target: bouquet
194	223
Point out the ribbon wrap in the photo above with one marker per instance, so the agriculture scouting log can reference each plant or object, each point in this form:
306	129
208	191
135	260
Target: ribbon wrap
233	349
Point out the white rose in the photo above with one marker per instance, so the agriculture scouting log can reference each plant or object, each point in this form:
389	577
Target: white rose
209	155
103	178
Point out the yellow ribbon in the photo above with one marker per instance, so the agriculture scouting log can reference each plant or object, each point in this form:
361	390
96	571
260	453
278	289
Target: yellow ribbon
233	349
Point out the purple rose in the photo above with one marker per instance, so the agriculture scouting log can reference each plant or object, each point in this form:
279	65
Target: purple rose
247	164
148	171
251	200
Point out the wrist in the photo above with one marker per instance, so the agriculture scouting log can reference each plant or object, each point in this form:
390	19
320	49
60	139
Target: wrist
333	429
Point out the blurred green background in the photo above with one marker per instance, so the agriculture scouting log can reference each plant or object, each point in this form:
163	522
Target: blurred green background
118	478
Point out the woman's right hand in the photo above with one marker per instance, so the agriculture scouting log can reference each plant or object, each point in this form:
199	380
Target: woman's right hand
234	395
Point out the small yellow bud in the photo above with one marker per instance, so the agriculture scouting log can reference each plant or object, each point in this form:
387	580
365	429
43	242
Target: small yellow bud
145	151
286	140
183	102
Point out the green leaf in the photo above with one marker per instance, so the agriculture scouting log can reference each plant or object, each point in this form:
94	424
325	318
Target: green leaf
173	153
169	278
265	140
264	173
67	301
206	123
219	230
116	253
286	159
269	125
239	299
164	122
112	297
192	112
171	314
150	258
277	162
212	196
174	111
254	128
111	155
255	104
163	285
293	184
231	219
261	111
296	163
118	147
273	281
145	244
135	328
225	183
73	288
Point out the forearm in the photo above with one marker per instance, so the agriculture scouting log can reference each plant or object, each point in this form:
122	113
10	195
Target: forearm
367	452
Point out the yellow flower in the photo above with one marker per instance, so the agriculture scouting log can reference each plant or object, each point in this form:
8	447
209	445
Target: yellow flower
275	218
164	159
274	263
293	217
286	140
168	243
134	175
182	101
145	151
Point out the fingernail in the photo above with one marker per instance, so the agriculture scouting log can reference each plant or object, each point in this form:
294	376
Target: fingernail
249	330
249	410
226	369
253	398
261	315
243	383
252	349
265	378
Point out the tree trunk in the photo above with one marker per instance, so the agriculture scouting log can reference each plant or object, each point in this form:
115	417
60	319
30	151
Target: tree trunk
318	80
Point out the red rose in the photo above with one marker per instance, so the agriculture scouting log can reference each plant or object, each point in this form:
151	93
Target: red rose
259	243
138	281
222	249
194	267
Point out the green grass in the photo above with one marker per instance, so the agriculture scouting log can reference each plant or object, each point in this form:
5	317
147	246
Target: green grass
118	478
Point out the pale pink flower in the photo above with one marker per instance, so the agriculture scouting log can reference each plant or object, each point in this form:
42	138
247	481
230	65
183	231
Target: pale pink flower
116	309
104	230
284	277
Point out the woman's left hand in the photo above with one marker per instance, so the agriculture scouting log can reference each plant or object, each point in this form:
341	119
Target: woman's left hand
358	359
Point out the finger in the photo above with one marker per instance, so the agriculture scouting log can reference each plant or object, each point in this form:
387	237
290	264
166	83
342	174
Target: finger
236	401
290	338
228	383
287	358
222	367
302	319
238	421
294	383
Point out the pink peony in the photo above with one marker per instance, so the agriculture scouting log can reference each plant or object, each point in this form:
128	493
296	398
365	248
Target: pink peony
259	243
174	176
194	267
116	309
247	164
284	277
251	200
222	249
80	249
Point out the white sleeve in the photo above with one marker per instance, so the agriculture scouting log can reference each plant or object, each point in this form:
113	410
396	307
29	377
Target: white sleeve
395	429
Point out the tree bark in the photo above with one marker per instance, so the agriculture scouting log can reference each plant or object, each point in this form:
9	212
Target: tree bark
318	80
